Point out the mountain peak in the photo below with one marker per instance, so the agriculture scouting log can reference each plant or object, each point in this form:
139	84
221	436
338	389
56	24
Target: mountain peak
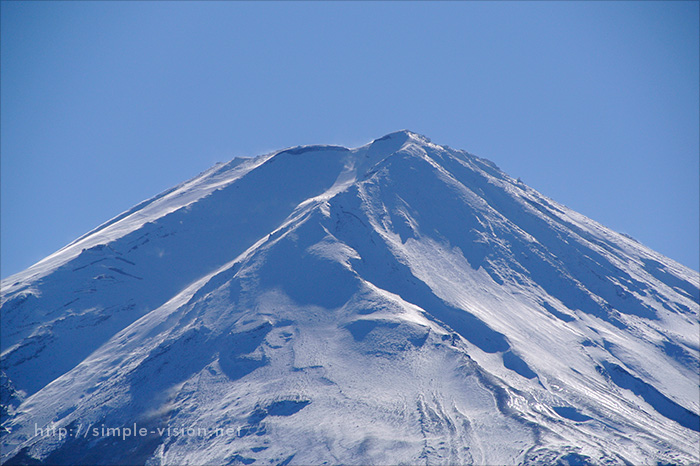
390	143
403	136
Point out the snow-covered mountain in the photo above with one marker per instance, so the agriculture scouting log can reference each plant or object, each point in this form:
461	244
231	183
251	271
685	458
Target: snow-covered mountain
397	303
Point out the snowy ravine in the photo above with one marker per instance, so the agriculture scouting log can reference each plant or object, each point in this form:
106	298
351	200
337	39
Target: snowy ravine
397	303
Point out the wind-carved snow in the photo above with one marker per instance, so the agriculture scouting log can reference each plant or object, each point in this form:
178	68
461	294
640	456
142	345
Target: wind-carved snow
400	302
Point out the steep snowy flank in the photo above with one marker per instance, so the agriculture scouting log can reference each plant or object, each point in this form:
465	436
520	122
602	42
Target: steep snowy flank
400	302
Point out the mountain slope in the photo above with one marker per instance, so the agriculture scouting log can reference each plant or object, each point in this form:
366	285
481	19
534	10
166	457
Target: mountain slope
401	302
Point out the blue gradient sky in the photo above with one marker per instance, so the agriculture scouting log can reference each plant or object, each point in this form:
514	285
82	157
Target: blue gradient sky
104	104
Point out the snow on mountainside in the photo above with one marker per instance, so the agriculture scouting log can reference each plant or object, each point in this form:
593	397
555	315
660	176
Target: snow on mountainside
401	302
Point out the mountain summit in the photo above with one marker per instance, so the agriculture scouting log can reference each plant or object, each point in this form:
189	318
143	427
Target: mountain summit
397	303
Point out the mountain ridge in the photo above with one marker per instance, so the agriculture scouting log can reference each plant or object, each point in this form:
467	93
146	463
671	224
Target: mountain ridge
411	288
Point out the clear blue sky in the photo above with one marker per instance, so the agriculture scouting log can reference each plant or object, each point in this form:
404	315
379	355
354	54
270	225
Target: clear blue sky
105	104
